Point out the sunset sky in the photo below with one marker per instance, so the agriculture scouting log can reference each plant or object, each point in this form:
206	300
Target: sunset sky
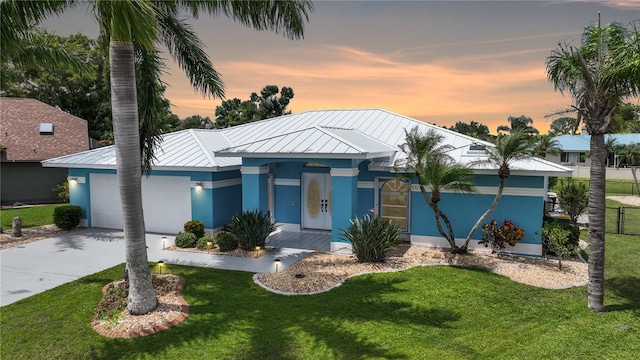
439	62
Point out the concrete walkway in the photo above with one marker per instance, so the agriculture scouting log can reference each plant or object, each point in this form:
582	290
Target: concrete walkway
42	265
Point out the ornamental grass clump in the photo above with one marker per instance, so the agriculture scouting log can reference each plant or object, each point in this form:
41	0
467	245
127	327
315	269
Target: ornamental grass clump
501	236
372	238
251	228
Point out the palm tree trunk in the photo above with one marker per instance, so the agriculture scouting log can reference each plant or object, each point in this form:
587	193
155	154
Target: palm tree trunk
438	213
595	289
484	216
124	106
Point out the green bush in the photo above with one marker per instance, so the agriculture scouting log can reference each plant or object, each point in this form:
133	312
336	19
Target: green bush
371	238
226	241
67	217
186	240
498	236
202	242
62	190
573	197
251	228
195	227
556	238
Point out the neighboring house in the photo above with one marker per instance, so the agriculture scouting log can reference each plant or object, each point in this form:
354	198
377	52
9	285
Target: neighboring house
32	131
575	147
312	170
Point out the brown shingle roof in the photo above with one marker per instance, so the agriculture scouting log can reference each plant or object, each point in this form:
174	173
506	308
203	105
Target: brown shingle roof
20	131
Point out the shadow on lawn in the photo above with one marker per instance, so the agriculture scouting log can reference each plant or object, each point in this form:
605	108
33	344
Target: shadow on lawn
627	288
266	325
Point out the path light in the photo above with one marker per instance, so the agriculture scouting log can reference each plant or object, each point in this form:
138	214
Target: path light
257	251
277	261
209	243
160	264
164	242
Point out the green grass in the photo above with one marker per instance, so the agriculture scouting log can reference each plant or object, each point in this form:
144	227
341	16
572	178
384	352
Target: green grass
31	216
612	187
423	313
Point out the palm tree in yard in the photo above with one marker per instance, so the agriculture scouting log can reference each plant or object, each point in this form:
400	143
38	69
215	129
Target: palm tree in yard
599	75
545	144
428	161
136	29
508	148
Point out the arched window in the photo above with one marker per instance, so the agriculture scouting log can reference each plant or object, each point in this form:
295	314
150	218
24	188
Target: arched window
393	207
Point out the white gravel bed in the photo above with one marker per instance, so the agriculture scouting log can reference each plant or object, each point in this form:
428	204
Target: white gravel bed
323	271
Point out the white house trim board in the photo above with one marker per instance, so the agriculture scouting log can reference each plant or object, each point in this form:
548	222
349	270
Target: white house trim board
492	190
440	242
225	183
204	184
365	185
287	182
345	172
254	170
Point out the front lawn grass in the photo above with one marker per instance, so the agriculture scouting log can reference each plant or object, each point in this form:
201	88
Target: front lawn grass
31	216
434	312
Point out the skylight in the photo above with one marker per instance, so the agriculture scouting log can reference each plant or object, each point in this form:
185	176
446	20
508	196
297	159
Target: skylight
46	129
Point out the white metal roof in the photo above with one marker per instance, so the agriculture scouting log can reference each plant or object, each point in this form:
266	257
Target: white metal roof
362	133
315	141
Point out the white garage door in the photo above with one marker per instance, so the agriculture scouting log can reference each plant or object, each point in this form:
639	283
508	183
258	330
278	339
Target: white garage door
166	201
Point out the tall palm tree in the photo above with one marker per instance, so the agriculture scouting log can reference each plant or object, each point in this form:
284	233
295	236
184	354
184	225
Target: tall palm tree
135	29
599	74
428	160
508	149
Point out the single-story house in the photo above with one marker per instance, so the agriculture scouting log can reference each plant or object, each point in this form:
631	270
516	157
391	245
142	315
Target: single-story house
32	131
574	147
313	170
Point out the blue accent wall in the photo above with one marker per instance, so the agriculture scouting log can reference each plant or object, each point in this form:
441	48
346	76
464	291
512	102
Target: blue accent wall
287	204
80	195
227	201
201	206
345	193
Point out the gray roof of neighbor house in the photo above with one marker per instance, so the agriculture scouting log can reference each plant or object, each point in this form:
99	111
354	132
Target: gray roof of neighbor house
32	130
581	143
372	134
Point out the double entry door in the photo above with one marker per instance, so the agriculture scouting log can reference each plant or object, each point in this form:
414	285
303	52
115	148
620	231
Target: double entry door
316	201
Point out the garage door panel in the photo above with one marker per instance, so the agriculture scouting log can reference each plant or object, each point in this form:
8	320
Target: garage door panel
166	201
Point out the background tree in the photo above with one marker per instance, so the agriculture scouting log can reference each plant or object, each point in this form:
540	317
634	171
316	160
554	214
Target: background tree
629	156
135	29
508	149
563	126
573	197
474	129
195	122
626	120
521	122
544	144
267	105
599	75
428	161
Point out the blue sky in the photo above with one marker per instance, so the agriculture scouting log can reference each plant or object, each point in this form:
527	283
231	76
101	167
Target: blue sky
439	62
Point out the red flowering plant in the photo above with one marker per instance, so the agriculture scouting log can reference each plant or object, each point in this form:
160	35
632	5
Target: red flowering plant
500	236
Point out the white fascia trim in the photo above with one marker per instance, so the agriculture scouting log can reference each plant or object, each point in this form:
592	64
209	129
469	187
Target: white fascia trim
79	179
287	182
205	184
155	168
254	170
365	185
300	155
525	172
345	172
226	183
440	242
492	190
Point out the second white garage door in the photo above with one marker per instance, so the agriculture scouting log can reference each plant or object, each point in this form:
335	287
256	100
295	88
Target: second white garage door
166	201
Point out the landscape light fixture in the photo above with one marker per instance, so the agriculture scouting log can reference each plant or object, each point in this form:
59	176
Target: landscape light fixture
257	251
164	242
277	261
209	243
160	264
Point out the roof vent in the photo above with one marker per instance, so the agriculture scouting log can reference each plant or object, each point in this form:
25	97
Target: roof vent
46	129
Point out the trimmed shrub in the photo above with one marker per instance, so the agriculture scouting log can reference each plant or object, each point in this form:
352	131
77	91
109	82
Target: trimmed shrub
195	227
226	241
557	239
67	217
202	242
251	229
186	240
371	238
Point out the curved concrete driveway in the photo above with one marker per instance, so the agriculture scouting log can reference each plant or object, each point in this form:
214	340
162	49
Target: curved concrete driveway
42	265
